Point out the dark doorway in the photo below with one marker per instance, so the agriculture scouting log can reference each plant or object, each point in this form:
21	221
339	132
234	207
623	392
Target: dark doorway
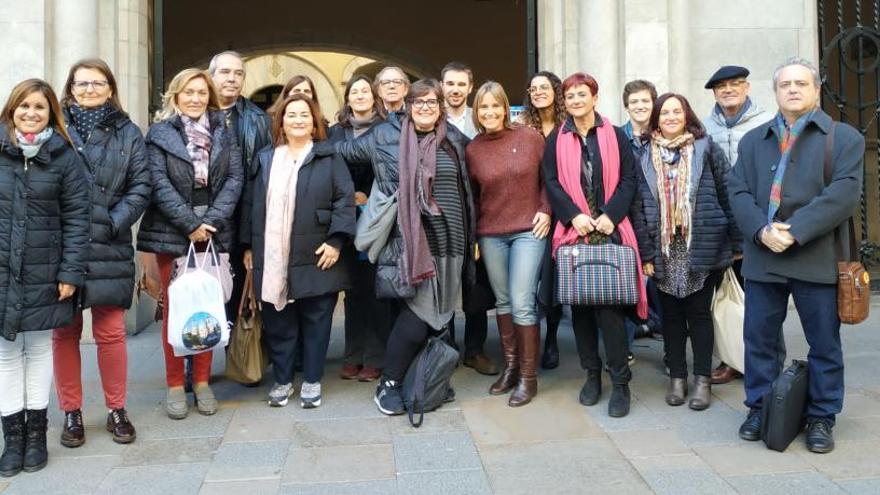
266	96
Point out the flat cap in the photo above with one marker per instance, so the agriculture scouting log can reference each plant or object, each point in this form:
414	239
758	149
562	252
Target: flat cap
726	72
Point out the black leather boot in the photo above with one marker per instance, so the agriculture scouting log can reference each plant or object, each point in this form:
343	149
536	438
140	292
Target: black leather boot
35	453
618	405
13	444
592	388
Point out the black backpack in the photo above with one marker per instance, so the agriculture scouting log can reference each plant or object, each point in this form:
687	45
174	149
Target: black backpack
426	385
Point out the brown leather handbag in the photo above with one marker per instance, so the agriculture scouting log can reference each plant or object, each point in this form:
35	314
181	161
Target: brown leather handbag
853	281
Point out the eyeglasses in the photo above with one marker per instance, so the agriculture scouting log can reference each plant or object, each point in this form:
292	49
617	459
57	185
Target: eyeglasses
732	84
534	89
81	86
391	82
431	103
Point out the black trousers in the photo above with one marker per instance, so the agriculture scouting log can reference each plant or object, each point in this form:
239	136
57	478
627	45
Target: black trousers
311	317
689	317
476	329
586	322
367	319
408	335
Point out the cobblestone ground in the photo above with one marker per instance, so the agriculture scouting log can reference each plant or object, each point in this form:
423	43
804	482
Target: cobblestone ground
474	445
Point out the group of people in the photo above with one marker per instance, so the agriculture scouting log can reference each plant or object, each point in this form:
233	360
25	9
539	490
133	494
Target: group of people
412	203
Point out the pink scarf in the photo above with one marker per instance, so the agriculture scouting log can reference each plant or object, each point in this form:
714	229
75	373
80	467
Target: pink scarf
568	166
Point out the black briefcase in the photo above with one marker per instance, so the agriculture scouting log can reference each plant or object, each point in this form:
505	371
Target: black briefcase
783	406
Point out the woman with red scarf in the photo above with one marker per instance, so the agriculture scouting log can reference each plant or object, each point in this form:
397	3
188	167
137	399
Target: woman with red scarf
591	183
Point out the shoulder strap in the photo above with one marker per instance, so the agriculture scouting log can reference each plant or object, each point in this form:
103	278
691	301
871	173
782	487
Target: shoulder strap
850	224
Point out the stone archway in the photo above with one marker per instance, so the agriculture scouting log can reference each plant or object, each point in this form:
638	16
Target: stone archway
278	68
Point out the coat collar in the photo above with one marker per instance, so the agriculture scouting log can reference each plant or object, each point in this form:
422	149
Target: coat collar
820	119
51	148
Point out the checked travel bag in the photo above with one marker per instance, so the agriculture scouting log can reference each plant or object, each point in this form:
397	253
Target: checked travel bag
597	275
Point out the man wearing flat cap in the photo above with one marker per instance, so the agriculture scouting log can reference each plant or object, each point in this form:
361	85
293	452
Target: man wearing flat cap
733	115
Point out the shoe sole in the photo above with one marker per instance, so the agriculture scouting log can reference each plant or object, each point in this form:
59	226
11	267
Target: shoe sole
482	372
817	450
122	440
367	379
181	415
72	444
699	407
748	438
9	474
588	403
385	411
34	469
279	403
310	404
208	412
618	415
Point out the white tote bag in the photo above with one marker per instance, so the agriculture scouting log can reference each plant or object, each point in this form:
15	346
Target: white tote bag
218	260
728	310
196	314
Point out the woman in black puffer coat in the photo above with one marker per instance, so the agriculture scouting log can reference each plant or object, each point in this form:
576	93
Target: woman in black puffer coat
195	166
112	148
44	225
687	235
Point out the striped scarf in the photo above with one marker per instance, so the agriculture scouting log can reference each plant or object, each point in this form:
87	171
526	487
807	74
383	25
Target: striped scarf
787	137
672	166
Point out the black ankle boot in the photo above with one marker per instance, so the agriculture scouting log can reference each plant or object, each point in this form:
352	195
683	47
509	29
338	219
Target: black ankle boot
35	453
592	389
618	405
13	445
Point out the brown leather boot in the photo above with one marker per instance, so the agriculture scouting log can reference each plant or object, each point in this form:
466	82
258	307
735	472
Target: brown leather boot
510	373
529	344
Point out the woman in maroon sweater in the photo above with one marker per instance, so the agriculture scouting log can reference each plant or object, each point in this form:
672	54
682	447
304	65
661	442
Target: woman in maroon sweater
513	219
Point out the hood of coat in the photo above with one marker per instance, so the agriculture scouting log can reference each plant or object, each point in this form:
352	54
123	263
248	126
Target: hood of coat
751	112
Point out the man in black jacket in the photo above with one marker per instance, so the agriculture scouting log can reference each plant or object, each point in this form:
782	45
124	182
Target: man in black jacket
781	169
250	125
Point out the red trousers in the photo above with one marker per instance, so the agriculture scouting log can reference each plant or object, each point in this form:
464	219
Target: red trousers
108	328
174	367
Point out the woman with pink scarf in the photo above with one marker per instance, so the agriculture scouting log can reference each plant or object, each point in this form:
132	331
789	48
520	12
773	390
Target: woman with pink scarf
591	183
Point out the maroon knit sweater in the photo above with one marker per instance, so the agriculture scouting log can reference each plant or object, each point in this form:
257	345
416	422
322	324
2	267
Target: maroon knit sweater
505	170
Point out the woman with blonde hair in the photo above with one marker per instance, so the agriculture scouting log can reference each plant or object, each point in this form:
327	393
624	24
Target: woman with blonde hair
44	204
195	166
504	162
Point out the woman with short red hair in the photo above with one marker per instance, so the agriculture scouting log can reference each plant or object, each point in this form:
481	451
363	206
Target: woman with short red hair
591	183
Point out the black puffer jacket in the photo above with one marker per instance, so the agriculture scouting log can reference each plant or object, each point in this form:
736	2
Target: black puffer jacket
715	237
119	180
381	147
44	233
170	217
324	212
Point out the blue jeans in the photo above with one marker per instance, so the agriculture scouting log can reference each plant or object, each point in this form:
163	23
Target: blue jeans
513	263
766	309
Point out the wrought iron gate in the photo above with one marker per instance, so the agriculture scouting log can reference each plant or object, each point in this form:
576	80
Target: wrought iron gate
849	38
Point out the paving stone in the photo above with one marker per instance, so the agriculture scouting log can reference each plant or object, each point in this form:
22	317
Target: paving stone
339	464
491	420
3	486
750	458
680	475
860	405
379	487
649	443
569	467
640	417
173	451
470	481
848	460
157	425
99	442
158	480
251	487
80	475
248	460
868	486
718	425
804	483
259	423
435	452
440	421
341	432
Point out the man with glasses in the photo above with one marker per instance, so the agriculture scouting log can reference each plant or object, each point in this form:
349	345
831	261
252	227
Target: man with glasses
733	115
392	85
250	125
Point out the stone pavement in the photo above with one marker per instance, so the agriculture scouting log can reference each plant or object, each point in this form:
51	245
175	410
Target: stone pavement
474	445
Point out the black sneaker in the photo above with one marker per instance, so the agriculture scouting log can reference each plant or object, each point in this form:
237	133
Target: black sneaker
819	438
751	427
388	398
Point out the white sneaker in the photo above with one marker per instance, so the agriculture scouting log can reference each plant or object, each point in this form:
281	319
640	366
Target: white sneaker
279	394
310	395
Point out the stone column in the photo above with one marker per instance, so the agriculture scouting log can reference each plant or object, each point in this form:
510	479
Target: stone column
678	29
74	36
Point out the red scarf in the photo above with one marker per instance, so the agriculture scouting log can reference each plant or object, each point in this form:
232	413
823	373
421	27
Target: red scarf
568	167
